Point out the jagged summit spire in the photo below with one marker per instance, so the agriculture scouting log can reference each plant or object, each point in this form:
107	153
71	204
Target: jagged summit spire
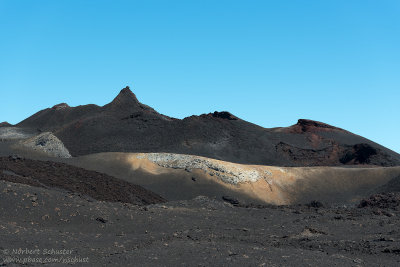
125	100
126	90
125	97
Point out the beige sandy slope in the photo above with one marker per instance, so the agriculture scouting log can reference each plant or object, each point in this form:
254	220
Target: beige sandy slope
177	177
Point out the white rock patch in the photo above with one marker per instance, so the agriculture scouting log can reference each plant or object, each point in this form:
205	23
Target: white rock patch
227	172
48	143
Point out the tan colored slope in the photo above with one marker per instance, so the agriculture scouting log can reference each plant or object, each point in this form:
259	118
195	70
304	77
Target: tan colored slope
175	177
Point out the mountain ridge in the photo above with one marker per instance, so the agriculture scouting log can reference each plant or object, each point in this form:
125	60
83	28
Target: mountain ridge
127	125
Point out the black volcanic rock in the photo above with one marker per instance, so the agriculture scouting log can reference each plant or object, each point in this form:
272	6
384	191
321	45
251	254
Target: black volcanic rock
360	153
125	98
221	115
5	124
126	103
126	125
389	200
77	180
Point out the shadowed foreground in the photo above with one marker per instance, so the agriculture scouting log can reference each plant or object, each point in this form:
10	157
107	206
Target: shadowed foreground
199	232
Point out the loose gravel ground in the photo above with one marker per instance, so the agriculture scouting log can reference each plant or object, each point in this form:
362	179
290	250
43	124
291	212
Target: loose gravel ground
198	232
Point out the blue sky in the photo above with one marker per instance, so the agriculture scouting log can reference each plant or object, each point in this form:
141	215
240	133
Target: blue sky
268	62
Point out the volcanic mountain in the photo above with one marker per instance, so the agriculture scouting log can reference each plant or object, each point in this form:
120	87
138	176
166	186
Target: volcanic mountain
126	125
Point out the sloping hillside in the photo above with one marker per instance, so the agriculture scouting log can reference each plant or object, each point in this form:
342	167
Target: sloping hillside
126	125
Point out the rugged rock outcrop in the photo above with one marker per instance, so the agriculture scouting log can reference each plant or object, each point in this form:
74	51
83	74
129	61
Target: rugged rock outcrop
60	106
225	171
390	200
47	143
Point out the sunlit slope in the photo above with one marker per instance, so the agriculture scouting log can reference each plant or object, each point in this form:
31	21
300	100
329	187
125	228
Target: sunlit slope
177	176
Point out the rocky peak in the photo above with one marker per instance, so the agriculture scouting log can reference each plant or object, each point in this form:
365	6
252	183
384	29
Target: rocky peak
311	123
310	126
127	103
60	106
224	115
125	98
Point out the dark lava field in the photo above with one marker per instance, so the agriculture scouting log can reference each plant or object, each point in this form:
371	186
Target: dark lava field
198	232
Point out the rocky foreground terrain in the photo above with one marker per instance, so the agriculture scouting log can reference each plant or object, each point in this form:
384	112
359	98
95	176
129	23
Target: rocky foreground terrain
198	232
56	214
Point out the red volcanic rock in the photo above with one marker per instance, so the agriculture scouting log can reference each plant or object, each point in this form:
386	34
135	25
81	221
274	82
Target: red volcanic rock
311	126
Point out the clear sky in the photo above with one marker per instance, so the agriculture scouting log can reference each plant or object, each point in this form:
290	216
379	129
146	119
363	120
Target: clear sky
268	62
